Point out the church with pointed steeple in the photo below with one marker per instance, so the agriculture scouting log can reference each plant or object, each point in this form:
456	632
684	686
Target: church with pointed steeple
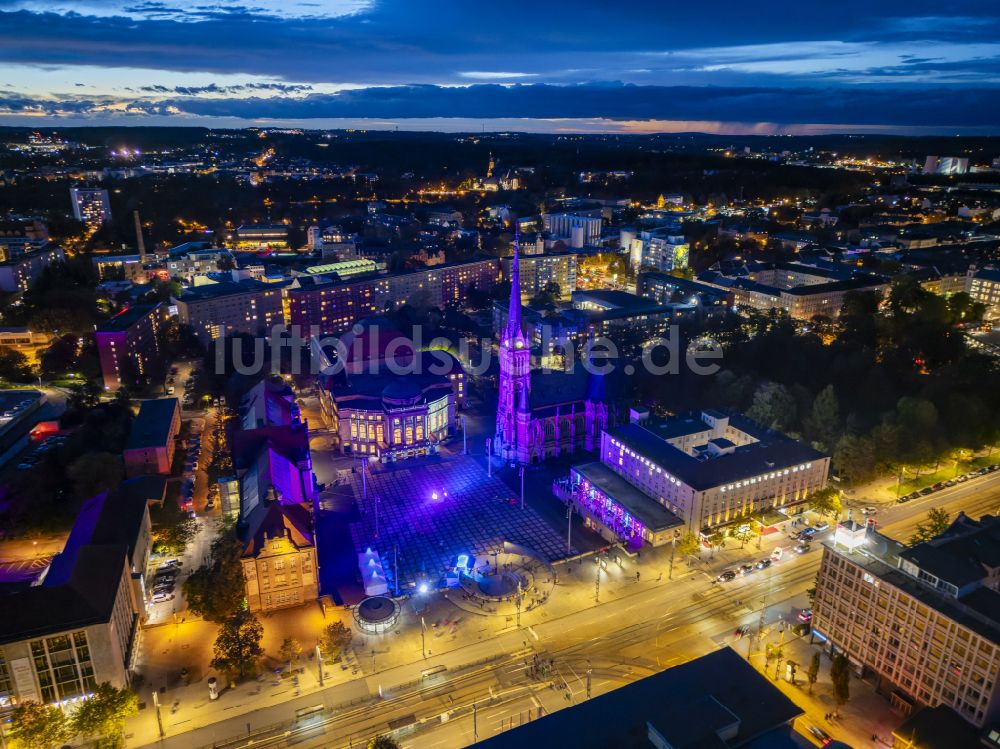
543	414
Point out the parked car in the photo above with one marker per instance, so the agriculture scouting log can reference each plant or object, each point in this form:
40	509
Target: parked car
869	511
162	597
821	526
806	615
820	735
741	631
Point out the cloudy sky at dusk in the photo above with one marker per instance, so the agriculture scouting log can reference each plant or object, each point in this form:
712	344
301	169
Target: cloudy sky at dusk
727	66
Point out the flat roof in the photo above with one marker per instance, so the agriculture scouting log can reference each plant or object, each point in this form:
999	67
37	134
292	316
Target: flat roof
772	452
128	318
151	428
619	718
644	508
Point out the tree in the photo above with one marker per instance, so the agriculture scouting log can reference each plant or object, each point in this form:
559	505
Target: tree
383	742
825	501
85	396
688	545
840	675
37	726
104	715
237	646
937	523
93	473
773	406
812	673
290	650
216	590
335	638
14	365
717	540
824	418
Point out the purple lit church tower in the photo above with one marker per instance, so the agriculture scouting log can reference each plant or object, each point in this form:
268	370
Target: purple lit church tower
513	412
555	414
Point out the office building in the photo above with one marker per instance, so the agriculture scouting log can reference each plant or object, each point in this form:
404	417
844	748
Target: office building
664	288
538	271
717	701
219	309
91	205
151	443
130	347
711	469
261	237
577	228
923	621
803	291
78	626
18	273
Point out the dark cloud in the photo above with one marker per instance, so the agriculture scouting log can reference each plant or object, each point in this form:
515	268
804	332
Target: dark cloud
937	108
213	88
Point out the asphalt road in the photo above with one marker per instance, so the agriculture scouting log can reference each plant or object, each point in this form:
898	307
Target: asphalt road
619	641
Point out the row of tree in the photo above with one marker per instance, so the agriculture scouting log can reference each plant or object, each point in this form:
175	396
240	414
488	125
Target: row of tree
100	718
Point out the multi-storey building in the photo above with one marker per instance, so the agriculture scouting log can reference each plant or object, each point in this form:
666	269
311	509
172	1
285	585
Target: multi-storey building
129	345
261	237
538	271
580	228
279	556
802	291
923	620
714	468
219	309
331	306
984	287
18	273
664	249
20	237
91	205
150	447
663	288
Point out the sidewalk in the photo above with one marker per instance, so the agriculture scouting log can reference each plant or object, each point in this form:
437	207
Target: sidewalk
865	714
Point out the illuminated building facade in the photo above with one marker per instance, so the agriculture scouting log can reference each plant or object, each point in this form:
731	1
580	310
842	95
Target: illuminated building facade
713	469
129	346
219	309
923	621
543	414
91	205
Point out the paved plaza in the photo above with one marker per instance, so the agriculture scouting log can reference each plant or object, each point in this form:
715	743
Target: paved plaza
432	510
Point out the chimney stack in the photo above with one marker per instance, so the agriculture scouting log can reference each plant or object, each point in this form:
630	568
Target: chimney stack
138	238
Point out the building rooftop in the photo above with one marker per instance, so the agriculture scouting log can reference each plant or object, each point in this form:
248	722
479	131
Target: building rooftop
771	452
225	288
647	510
87	597
732	704
272	519
126	319
151	428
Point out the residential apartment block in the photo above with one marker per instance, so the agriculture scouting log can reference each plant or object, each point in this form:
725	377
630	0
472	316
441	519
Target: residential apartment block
219	309
129	345
151	443
19	272
537	271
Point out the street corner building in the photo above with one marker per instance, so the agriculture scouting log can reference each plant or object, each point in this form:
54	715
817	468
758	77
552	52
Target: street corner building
923	621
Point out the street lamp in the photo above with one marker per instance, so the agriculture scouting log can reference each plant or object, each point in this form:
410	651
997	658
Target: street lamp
522	487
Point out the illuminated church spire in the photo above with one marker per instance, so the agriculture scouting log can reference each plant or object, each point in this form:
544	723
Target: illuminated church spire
514	330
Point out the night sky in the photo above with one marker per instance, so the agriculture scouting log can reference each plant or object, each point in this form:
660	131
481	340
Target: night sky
724	66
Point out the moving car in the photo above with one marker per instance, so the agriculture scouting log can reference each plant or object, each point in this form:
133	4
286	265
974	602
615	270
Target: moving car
763	564
802	548
746	569
726	576
806	615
